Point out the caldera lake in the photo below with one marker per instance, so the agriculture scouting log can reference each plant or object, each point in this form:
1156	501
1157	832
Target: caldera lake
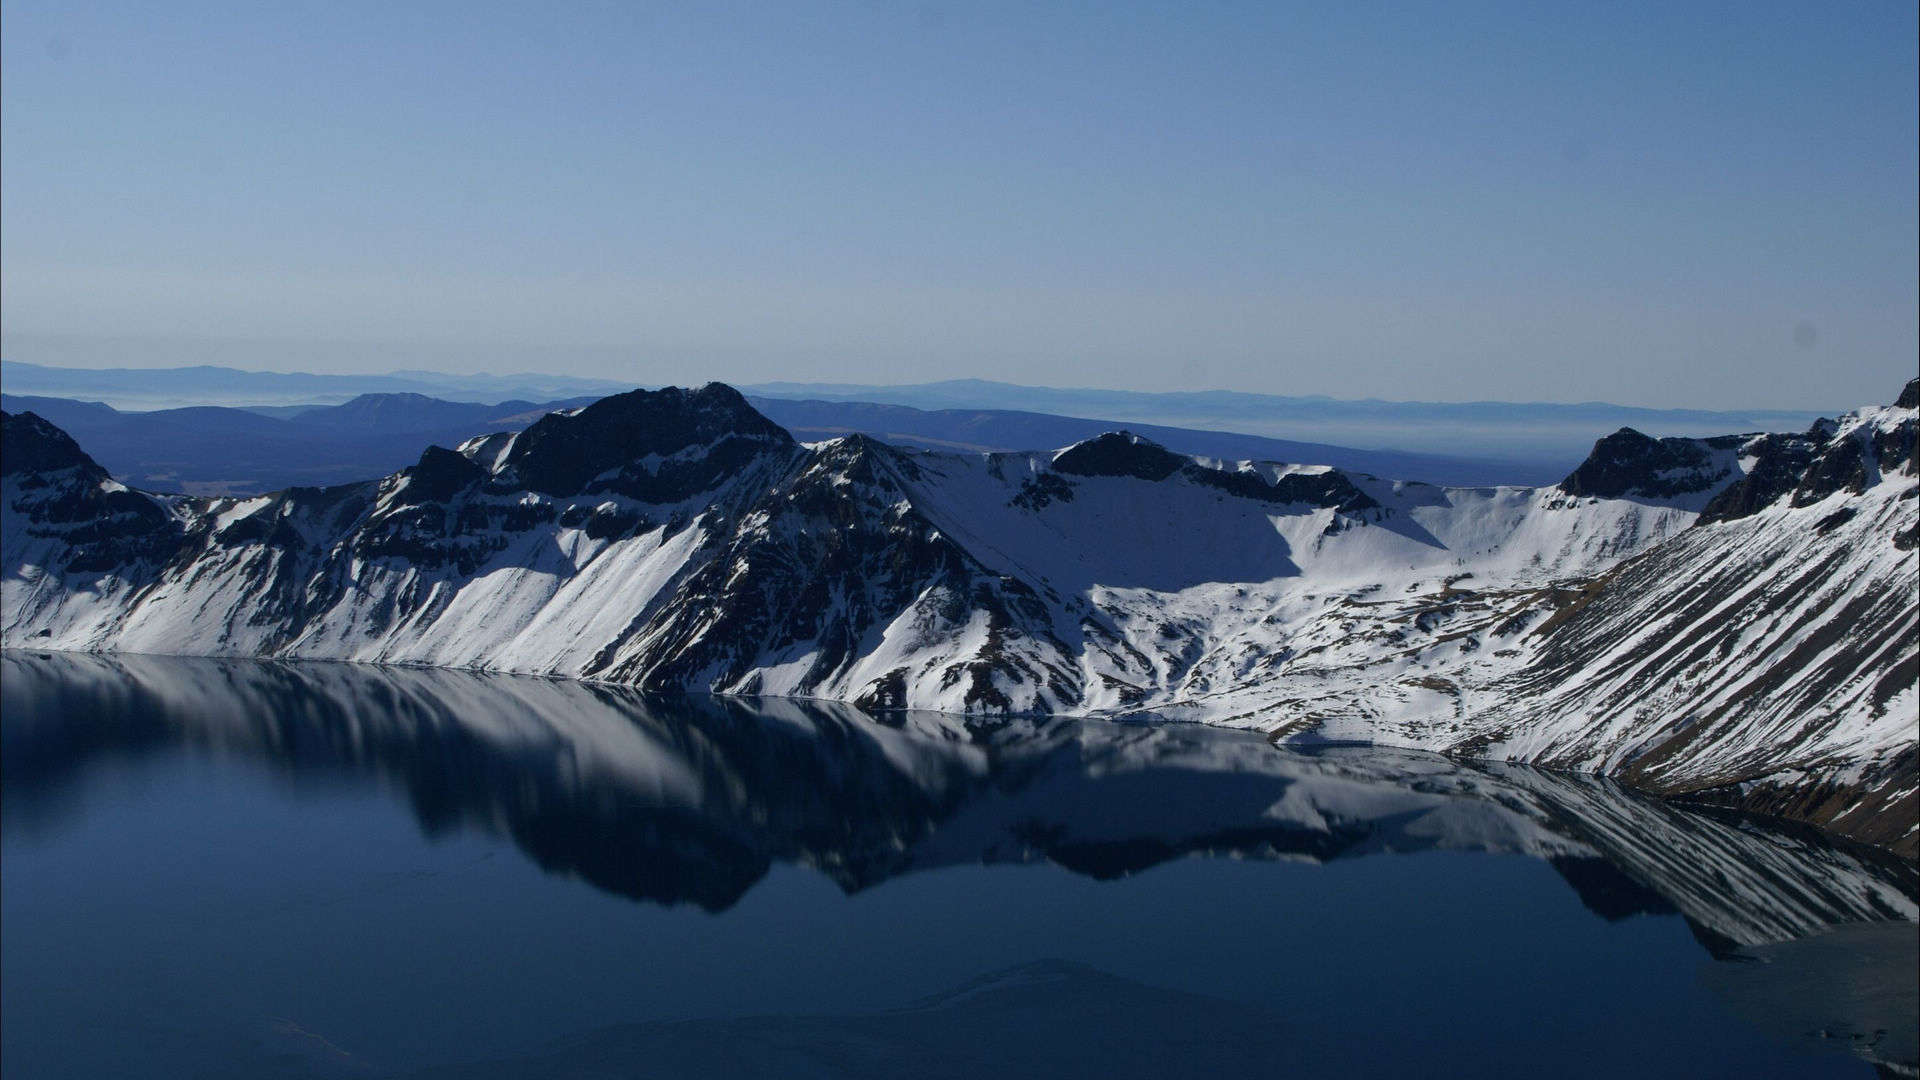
221	868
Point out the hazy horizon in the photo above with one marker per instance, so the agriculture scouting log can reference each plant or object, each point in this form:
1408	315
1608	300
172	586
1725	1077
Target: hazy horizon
1708	206
534	373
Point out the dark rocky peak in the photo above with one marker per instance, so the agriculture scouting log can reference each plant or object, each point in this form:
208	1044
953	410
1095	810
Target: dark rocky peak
1810	467
440	475
1841	465
29	444
1119	453
486	449
104	528
1894	446
865	459
1628	463
1122	453
1803	466
561	453
1910	397
1331	488
1779	463
853	446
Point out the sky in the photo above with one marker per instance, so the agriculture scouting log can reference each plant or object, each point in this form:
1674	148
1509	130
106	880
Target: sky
1659	204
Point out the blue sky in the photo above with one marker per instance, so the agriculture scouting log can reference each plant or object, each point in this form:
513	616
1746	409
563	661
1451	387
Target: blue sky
1688	204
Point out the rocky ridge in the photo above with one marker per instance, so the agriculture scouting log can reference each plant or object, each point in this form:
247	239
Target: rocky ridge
1730	618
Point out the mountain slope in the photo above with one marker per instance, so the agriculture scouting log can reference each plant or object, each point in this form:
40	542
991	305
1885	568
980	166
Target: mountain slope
1766	657
1731	617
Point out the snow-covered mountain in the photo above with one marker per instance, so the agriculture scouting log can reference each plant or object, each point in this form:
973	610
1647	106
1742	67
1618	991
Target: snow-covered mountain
1733	618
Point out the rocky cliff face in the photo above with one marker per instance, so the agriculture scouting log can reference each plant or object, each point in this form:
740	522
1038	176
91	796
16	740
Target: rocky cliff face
1731	617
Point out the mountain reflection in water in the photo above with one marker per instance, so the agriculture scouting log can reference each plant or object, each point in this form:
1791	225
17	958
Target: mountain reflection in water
693	800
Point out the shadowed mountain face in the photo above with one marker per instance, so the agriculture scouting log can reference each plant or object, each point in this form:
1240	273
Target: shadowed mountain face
32	445
564	453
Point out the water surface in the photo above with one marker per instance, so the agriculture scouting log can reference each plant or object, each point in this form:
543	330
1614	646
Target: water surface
224	868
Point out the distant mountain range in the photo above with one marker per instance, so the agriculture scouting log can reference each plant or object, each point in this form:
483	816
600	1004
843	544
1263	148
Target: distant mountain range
1731	619
1520	436
181	387
221	450
225	450
1003	429
1539	431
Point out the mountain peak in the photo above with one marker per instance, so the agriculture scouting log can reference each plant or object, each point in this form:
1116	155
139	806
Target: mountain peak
440	474
29	444
375	400
1910	397
561	452
1630	463
1119	453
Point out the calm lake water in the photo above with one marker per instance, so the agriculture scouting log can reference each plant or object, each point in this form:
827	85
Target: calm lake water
256	869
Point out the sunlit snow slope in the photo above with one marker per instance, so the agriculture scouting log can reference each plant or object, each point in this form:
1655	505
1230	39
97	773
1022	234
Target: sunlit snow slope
1730	617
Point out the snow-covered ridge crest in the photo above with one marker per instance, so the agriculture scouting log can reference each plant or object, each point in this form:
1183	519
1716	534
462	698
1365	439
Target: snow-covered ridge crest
677	539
